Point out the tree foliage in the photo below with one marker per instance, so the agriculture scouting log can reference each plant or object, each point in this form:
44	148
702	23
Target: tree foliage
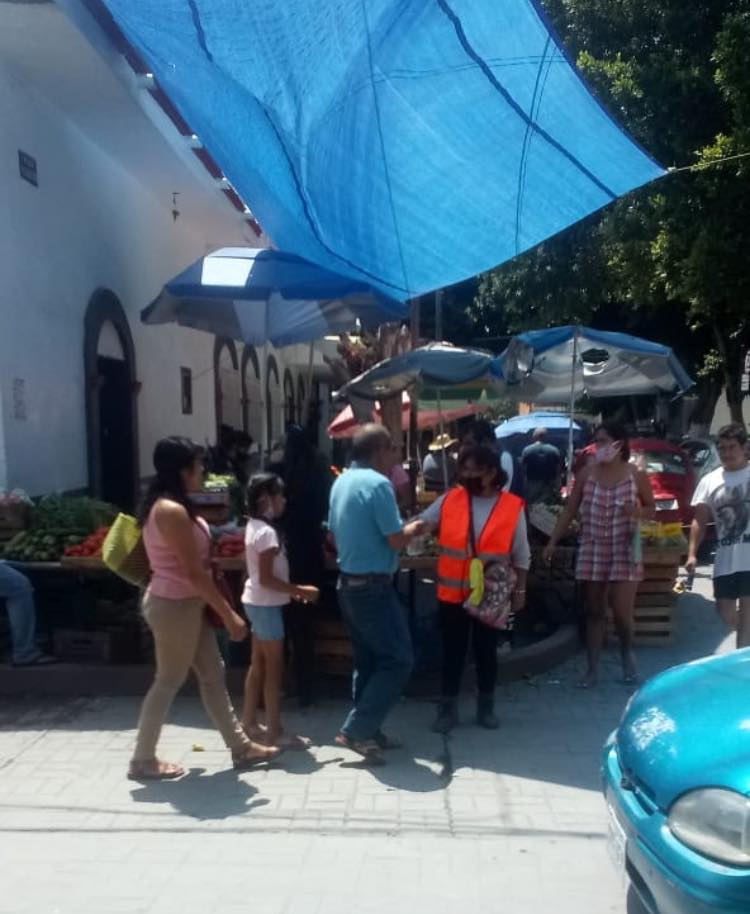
672	260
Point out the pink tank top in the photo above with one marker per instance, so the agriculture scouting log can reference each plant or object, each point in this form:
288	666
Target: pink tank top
168	577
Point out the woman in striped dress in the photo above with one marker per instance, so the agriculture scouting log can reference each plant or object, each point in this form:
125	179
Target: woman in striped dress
612	497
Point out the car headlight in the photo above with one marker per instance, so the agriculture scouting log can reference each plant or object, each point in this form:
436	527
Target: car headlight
714	822
667	504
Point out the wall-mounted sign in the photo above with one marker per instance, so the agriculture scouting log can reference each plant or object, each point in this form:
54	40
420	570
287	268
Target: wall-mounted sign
27	168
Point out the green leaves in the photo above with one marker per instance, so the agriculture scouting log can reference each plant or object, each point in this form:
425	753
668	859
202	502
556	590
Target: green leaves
671	260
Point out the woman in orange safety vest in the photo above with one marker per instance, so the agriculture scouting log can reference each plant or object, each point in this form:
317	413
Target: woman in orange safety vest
499	526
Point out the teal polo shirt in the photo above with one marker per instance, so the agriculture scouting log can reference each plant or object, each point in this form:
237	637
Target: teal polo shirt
363	513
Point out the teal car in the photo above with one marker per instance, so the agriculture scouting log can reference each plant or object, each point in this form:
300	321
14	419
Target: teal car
677	784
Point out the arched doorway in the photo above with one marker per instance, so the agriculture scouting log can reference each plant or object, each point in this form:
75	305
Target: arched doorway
301	400
252	394
290	412
111	409
274	404
228	386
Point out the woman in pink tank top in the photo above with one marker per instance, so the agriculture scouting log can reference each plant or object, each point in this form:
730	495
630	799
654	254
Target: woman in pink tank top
612	496
178	544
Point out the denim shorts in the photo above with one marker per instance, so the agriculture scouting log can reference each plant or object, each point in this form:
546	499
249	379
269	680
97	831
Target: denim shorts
266	622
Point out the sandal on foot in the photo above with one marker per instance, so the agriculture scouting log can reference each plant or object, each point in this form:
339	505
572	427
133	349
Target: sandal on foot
254	755
293	741
385	742
367	748
155	771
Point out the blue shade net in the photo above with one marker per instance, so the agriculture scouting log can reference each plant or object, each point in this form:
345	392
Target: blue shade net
408	143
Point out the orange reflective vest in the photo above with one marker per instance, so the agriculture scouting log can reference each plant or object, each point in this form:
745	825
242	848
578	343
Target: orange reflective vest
494	545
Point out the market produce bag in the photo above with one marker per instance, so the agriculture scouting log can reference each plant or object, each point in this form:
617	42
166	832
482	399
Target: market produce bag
124	553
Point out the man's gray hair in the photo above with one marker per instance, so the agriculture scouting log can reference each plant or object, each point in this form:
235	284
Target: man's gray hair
369	440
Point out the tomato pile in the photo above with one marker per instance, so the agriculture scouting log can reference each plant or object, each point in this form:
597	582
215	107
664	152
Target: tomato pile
91	547
230	545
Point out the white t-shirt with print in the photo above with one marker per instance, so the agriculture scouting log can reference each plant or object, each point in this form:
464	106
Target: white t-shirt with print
727	494
260	537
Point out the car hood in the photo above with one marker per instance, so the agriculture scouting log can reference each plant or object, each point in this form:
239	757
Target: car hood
690	727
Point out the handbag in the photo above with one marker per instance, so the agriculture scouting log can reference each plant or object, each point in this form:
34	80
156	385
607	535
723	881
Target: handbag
124	552
492	586
222	585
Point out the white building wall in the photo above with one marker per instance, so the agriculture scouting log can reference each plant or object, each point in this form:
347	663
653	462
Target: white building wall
88	224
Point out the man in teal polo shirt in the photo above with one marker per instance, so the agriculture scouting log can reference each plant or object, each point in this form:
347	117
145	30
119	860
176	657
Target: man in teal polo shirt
368	531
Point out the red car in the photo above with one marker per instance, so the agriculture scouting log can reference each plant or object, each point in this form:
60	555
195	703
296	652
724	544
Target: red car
670	471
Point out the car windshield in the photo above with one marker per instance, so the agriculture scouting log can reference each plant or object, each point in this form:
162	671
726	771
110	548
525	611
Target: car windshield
700	456
662	462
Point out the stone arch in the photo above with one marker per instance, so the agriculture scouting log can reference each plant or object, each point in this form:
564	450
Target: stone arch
227	385
252	393
290	410
274	405
111	392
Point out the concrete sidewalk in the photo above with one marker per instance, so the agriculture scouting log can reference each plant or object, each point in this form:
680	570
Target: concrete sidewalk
510	821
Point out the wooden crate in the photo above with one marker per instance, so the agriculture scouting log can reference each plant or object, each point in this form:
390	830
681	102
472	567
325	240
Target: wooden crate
654	617
332	647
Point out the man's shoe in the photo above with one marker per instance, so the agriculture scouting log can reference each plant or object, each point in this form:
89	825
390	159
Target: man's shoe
486	716
447	716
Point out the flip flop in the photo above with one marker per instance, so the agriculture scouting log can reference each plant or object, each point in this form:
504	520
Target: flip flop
293	741
155	771
243	762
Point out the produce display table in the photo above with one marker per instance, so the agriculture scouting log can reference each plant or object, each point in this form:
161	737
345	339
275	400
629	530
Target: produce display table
86	612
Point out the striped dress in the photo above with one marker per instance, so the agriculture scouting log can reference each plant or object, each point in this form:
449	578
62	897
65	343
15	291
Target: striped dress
607	550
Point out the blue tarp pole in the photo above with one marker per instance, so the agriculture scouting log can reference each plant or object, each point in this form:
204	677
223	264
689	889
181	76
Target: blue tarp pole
569	473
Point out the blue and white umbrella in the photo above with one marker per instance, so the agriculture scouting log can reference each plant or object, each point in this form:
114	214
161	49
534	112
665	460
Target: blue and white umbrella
525	425
437	365
260	296
562	363
547	366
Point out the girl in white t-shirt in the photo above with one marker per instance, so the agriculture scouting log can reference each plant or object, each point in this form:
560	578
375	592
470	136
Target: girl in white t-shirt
267	591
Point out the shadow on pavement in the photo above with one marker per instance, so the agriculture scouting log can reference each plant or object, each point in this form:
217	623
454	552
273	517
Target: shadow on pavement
198	795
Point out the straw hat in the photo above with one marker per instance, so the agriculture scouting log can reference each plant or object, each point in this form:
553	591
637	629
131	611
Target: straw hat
442	442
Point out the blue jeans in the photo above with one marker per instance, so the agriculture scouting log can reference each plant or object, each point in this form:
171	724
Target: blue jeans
381	651
16	590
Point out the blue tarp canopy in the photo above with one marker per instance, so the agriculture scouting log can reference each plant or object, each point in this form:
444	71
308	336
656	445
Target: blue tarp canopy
408	143
550	366
260	296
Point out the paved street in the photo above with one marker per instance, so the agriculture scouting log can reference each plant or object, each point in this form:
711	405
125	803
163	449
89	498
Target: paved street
509	821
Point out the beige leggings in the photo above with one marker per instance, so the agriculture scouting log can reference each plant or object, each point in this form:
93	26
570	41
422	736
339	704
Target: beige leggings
184	640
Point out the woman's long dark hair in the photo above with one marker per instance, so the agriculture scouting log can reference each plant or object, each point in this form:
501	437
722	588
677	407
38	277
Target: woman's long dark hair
172	456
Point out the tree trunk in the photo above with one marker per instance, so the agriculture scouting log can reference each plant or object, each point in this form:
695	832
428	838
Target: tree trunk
707	391
732	351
